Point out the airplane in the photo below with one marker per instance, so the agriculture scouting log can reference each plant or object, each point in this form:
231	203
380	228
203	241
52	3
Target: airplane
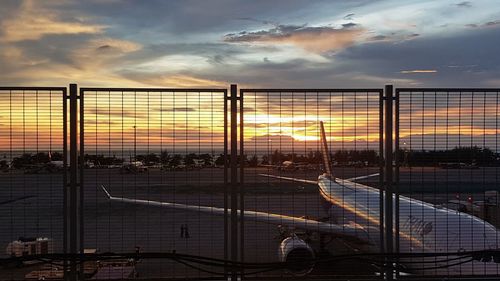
353	215
289	166
51	166
55	165
457	165
133	167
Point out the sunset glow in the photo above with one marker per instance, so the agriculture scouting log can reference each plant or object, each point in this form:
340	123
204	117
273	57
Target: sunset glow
54	43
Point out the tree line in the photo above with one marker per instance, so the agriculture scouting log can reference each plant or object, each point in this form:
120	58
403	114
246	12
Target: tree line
164	158
342	157
473	155
30	159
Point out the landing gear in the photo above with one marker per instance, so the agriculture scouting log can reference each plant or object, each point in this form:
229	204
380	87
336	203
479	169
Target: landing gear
324	240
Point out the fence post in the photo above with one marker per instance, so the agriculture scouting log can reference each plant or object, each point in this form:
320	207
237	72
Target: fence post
234	181
81	167
73	195
388	208
381	176
226	188
396	180
65	182
242	186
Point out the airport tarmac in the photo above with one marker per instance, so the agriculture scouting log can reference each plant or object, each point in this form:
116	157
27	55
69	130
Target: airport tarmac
117	227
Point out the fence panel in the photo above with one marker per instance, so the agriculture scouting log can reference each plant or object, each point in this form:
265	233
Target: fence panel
282	139
32	160
447	156
156	145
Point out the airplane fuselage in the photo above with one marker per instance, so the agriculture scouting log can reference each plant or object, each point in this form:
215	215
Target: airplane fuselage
423	227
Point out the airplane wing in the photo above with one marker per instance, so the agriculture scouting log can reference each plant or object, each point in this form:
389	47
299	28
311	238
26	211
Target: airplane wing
289	179
362	177
339	180
349	231
16	199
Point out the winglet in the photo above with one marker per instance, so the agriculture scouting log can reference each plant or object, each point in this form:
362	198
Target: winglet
325	152
106	191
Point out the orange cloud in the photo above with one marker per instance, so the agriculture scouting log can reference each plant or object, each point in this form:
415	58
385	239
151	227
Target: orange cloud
33	22
418	71
181	81
101	53
314	39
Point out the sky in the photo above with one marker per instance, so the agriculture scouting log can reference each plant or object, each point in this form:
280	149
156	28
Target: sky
255	44
288	43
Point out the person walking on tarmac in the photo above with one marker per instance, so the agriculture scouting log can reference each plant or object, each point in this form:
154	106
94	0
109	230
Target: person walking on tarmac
183	231
186	231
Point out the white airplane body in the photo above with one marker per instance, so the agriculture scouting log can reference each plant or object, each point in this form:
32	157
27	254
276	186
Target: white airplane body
57	164
288	166
423	228
354	214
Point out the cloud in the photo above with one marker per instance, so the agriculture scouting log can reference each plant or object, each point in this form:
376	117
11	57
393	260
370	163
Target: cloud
349	16
379	38
171	44
266	22
175	21
100	110
113	45
349	25
93	60
32	22
102	53
292	124
177	109
287	144
492	23
172	80
465	4
486	24
387	59
394	37
471	25
418	71
314	38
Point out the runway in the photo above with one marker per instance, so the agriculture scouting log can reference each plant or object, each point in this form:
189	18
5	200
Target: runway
32	207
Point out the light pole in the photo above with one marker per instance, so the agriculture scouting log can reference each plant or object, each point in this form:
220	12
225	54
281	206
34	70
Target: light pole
271	153
135	143
405	156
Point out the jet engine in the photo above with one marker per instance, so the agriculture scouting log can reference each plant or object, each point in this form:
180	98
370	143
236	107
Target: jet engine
297	254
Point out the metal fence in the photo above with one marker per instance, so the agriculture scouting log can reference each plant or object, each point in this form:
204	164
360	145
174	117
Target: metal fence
282	139
447	155
32	176
211	183
160	145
